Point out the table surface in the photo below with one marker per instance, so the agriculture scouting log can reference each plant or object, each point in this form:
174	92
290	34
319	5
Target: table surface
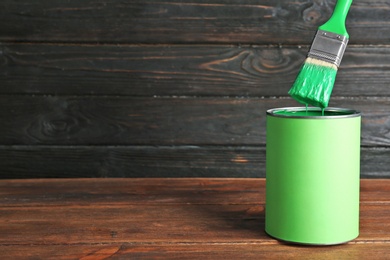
180	218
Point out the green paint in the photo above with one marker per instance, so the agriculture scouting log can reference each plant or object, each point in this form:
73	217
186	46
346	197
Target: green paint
312	172
312	112
314	85
336	23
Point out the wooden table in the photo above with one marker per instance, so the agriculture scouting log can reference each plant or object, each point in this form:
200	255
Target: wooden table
165	218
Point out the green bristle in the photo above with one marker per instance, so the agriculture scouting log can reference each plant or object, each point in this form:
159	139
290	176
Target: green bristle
314	83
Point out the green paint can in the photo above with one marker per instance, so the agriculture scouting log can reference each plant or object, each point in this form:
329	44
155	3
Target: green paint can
313	175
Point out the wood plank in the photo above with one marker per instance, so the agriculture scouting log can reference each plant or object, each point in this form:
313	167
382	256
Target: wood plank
148	70
101	120
180	70
154	161
146	21
122	120
131	161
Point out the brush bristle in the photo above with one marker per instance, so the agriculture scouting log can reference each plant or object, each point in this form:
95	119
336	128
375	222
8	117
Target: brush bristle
314	83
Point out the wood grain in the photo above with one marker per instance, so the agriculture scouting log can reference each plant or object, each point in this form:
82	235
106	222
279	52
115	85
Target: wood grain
167	88
189	21
164	218
132	161
101	120
154	161
180	70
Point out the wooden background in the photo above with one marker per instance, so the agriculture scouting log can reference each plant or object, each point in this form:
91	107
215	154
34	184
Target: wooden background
132	88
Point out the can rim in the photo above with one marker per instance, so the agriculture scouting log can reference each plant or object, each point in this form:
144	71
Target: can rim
338	112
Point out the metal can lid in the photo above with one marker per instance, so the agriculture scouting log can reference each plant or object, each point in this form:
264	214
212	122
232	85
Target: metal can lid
313	112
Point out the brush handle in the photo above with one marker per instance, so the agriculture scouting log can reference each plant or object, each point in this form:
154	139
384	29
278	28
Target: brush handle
336	23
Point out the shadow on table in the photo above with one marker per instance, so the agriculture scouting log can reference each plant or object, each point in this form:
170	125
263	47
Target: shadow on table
228	219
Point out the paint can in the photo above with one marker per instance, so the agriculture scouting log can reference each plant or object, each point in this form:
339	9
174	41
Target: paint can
312	175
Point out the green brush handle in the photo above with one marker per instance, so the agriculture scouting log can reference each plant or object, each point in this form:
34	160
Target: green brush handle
336	23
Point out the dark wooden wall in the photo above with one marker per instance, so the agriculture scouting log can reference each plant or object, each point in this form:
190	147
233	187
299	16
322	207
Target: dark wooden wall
132	88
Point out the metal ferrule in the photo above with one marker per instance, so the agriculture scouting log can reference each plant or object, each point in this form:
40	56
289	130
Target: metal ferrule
329	47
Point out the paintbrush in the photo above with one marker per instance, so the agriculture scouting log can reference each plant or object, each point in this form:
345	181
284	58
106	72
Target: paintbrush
314	83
